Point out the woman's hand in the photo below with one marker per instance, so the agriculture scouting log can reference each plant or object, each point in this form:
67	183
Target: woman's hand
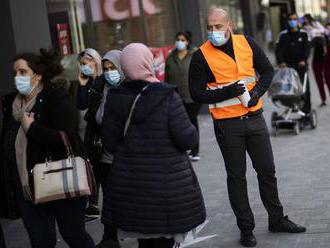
302	63
27	120
83	80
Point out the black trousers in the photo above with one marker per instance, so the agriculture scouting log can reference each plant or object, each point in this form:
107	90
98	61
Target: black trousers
101	171
156	243
236	137
193	111
40	222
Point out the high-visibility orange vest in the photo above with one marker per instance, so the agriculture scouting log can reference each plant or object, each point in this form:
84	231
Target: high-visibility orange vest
226	71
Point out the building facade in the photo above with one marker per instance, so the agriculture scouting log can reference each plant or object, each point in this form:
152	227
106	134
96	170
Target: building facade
72	25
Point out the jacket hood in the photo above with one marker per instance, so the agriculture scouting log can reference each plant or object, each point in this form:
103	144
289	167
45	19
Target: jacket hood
114	57
120	100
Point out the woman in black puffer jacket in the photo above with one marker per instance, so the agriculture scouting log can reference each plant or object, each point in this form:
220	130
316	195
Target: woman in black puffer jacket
152	191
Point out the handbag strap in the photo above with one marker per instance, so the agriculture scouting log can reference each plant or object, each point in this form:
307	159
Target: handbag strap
67	143
128	121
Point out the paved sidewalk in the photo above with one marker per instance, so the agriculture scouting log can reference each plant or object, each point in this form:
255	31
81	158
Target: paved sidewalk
303	170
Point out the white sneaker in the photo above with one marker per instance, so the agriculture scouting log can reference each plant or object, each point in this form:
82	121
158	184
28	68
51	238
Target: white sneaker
194	158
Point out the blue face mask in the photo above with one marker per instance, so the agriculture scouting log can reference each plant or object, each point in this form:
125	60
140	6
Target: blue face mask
112	77
217	38
86	70
180	45
23	85
293	24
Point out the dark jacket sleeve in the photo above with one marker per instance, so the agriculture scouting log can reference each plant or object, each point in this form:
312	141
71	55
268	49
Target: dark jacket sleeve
83	95
199	76
279	49
263	67
112	128
62	116
183	132
111	132
167	69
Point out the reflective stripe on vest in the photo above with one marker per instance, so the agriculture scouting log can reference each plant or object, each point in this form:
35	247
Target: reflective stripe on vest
233	101
226	71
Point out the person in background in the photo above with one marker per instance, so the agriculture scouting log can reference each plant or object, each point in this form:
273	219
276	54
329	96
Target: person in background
313	27
216	69
177	72
89	94
317	33
112	77
292	50
33	117
152	192
326	66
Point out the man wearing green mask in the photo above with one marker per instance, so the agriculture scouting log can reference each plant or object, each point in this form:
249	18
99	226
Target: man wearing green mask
221	71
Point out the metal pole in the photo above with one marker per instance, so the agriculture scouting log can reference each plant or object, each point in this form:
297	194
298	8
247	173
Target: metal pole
143	23
75	36
81	36
90	27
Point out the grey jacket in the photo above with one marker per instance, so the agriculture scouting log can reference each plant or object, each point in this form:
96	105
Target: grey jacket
177	73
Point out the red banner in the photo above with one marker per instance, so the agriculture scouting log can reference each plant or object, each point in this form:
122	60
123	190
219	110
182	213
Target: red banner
63	38
160	55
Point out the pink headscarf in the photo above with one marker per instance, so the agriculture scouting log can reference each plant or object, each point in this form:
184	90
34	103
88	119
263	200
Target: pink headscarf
137	63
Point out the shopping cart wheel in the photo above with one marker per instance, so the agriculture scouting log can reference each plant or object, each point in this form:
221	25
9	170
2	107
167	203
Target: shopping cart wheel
296	128
274	118
313	119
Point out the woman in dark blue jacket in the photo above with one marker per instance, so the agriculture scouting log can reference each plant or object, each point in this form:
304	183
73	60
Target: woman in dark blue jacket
152	191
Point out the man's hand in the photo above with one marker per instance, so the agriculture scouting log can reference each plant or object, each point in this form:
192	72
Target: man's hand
282	65
27	120
302	64
234	90
254	99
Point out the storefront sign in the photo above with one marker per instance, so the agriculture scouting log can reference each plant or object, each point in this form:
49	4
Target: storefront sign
118	10
63	38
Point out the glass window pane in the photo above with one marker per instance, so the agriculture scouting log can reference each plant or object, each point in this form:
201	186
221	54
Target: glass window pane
161	22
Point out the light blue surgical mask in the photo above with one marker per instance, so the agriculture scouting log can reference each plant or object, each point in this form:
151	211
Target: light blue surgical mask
112	77
23	85
180	45
293	24
217	38
86	70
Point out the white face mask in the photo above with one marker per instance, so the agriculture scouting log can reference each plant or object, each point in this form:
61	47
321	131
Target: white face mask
180	45
217	38
86	70
112	77
23	85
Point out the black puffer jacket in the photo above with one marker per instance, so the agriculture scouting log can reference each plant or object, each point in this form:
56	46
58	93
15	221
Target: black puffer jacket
152	187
